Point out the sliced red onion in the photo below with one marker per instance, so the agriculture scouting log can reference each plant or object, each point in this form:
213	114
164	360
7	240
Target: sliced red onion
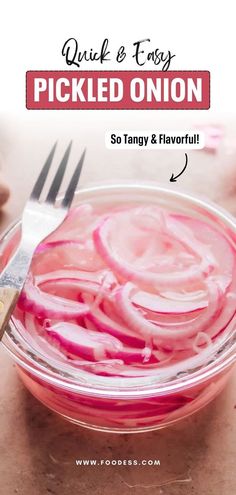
158	304
186	237
62	243
139	324
44	305
84	276
158	280
85	343
69	285
122	332
76	281
70	255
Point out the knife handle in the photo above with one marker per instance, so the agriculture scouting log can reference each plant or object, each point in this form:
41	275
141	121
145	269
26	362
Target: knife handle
8	298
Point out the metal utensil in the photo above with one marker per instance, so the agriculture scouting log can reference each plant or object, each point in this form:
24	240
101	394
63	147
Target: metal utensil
38	221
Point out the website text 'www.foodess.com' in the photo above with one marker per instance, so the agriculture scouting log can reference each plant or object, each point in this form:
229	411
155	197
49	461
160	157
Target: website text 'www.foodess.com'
117	462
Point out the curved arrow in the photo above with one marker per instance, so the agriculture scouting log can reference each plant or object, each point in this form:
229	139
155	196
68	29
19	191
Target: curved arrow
173	178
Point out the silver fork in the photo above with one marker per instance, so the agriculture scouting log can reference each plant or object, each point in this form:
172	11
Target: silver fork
38	221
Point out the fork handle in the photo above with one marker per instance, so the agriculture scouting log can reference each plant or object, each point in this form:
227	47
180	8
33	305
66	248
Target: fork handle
11	281
8	298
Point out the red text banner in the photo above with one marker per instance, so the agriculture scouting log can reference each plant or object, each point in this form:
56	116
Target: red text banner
118	90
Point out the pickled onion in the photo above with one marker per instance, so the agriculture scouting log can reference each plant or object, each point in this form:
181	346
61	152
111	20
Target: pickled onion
126	291
139	324
41	304
125	270
84	343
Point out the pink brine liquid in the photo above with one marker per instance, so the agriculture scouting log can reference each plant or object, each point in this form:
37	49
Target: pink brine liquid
131	291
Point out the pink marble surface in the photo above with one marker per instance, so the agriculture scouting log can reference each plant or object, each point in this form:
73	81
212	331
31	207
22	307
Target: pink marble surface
38	449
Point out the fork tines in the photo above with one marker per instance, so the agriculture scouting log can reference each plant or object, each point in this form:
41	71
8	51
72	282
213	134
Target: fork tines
56	183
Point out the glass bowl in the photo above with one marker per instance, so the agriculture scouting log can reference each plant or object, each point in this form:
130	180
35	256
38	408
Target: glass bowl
126	405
